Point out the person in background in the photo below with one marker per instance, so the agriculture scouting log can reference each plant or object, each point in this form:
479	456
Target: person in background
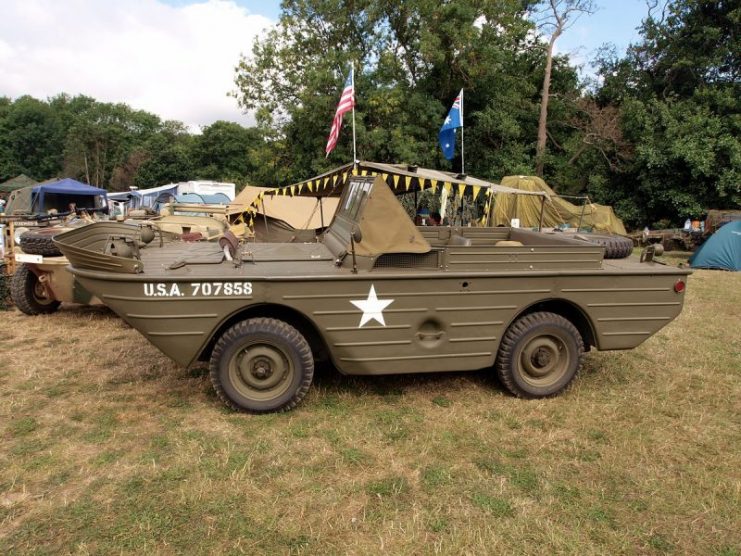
423	215
434	219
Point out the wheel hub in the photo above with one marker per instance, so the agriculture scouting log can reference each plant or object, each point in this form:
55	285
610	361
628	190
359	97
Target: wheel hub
542	357
40	294
261	367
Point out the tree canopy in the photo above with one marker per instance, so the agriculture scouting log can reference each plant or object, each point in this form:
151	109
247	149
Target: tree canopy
656	134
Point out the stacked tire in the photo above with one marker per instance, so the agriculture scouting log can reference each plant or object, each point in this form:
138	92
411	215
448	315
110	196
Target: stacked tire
41	242
616	247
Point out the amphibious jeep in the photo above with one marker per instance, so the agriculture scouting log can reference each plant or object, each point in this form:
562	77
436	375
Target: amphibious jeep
376	295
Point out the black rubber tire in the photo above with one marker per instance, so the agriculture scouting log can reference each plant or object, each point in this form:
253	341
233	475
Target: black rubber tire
616	247
524	352
27	294
261	345
41	242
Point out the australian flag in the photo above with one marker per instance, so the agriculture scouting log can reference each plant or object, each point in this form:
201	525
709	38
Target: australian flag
453	120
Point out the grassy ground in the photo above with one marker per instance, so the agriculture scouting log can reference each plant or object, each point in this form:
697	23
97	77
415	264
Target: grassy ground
106	446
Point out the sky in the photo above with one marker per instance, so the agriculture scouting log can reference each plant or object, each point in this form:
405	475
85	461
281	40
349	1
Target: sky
176	58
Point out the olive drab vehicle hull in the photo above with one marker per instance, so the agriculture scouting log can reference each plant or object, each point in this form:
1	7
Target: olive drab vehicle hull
377	295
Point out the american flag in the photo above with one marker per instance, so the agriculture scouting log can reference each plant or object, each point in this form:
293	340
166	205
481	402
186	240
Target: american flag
347	103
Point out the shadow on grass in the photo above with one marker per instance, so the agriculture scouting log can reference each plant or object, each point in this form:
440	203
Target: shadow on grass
330	380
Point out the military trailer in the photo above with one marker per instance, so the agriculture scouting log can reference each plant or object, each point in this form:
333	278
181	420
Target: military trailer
40	281
376	295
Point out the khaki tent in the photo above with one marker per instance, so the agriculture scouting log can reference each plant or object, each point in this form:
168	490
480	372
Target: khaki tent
17	182
556	211
300	213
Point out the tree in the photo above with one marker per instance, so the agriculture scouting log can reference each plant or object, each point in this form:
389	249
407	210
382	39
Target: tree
223	151
679	96
411	59
31	138
557	16
165	157
102	136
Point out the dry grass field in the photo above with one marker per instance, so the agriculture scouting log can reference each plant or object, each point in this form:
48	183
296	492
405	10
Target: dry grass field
106	446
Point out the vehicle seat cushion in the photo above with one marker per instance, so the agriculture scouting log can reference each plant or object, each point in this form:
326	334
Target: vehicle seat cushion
508	243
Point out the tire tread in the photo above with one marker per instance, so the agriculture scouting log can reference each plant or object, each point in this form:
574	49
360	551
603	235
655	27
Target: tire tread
515	332
255	325
40	243
21	292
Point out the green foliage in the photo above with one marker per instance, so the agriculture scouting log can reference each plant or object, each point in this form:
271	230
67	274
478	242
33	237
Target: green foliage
410	60
222	151
114	146
679	97
31	139
657	137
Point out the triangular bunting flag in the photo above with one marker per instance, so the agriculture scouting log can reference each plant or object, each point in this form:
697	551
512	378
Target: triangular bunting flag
407	182
396	181
476	189
461	189
447	185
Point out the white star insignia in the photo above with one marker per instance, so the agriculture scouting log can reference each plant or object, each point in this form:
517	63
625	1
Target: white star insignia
372	307
447	119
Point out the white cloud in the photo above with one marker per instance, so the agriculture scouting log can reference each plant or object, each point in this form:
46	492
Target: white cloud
177	62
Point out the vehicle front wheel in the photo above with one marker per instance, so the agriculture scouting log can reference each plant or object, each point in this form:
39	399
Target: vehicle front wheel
29	294
262	365
540	355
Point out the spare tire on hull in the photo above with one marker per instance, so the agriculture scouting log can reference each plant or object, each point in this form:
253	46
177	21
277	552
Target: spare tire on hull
41	242
616	247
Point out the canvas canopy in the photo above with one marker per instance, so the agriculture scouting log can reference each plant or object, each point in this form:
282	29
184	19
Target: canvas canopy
17	182
557	211
56	195
400	178
370	207
722	250
299	213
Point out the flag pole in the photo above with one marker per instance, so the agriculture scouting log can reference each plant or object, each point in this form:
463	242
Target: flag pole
463	163
354	151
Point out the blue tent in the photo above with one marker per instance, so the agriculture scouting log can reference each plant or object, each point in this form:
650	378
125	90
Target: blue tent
57	195
62	192
722	250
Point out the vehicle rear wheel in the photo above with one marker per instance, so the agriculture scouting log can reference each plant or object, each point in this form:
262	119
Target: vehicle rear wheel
29	294
540	355
261	365
41	242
